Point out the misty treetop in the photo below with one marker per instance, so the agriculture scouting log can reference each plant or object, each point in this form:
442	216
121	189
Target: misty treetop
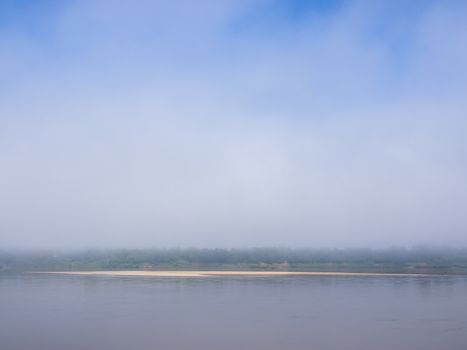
387	260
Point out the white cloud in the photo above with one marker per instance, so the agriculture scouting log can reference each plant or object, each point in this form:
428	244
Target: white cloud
159	125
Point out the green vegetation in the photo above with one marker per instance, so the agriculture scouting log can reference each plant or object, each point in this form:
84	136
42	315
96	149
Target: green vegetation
420	260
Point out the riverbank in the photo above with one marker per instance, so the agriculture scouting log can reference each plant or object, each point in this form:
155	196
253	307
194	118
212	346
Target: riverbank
223	273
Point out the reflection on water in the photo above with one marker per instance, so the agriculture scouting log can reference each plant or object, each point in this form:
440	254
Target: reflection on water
87	312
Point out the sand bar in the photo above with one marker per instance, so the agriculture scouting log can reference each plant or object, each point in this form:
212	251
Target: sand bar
226	273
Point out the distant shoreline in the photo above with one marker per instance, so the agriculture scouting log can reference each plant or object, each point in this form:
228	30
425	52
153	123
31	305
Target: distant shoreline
132	273
406	262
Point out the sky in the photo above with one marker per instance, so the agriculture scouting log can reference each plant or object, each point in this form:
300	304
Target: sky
233	123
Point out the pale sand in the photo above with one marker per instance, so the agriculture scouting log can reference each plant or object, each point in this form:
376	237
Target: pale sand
223	273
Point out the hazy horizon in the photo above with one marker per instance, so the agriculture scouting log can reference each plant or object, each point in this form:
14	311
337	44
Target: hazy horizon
417	248
131	124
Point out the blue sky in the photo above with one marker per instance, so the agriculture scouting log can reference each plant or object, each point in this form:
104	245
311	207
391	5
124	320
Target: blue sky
232	123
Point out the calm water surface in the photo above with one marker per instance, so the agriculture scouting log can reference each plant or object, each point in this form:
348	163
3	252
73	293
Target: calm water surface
44	312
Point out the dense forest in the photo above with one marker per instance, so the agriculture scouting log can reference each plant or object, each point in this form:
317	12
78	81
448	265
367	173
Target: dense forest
423	260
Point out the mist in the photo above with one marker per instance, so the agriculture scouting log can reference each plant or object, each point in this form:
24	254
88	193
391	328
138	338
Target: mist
233	124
